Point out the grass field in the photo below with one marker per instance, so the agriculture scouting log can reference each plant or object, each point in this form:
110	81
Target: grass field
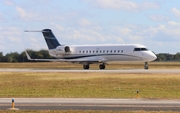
120	65
89	85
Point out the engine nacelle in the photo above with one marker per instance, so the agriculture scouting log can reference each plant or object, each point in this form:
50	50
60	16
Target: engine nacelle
63	50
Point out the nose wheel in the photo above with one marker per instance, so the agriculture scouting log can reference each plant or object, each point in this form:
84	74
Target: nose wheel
146	65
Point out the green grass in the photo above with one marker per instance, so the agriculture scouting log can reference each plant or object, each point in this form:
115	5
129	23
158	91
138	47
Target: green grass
89	85
120	65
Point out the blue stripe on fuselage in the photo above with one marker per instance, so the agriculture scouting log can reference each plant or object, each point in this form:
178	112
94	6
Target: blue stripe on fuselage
85	56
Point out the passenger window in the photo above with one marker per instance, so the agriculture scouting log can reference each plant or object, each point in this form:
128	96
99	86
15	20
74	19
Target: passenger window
121	51
118	51
107	51
103	51
111	51
114	51
89	51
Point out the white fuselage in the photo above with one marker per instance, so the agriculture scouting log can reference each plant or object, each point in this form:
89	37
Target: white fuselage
105	53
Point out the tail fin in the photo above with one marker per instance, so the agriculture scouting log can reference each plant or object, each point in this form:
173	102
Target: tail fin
50	39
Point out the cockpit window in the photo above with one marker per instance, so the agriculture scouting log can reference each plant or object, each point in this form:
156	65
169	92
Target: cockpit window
144	49
140	49
137	49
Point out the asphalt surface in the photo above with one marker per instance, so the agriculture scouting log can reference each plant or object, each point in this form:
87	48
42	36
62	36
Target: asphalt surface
90	104
100	71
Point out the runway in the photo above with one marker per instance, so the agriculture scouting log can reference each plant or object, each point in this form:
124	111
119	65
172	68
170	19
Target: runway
90	104
173	71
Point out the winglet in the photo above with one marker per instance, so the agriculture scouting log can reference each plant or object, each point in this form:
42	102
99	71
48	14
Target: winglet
28	57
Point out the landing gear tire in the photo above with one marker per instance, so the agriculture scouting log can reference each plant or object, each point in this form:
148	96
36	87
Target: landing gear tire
86	66
102	66
146	65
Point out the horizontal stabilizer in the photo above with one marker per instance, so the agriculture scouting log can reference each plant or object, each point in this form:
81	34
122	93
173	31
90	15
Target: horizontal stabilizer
34	31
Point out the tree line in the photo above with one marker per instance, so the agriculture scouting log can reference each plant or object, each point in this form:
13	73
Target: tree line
16	57
44	54
168	57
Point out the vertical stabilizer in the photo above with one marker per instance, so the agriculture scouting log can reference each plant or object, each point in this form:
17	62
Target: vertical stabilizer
50	39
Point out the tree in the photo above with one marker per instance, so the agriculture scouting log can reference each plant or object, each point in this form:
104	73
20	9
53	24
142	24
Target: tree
177	57
1	56
12	57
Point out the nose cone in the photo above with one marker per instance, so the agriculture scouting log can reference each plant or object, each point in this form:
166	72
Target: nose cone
152	56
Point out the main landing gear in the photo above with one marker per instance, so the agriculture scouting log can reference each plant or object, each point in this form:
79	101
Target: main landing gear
101	66
146	65
86	66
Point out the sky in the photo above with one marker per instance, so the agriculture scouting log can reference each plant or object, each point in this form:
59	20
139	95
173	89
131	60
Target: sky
153	23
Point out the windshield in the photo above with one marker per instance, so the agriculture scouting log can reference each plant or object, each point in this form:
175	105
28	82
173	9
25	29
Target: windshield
140	49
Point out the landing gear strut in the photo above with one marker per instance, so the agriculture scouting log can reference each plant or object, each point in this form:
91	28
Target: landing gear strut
102	66
146	65
86	66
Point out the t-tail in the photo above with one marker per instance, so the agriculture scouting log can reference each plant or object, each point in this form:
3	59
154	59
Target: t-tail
50	39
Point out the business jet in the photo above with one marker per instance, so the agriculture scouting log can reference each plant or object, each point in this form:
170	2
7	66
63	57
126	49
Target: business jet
90	54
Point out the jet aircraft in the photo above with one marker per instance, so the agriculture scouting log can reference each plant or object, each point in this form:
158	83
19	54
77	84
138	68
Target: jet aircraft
90	54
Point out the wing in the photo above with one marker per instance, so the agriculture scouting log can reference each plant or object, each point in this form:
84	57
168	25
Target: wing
80	60
29	58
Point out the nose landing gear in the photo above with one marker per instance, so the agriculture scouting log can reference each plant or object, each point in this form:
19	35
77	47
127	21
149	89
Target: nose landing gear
146	65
